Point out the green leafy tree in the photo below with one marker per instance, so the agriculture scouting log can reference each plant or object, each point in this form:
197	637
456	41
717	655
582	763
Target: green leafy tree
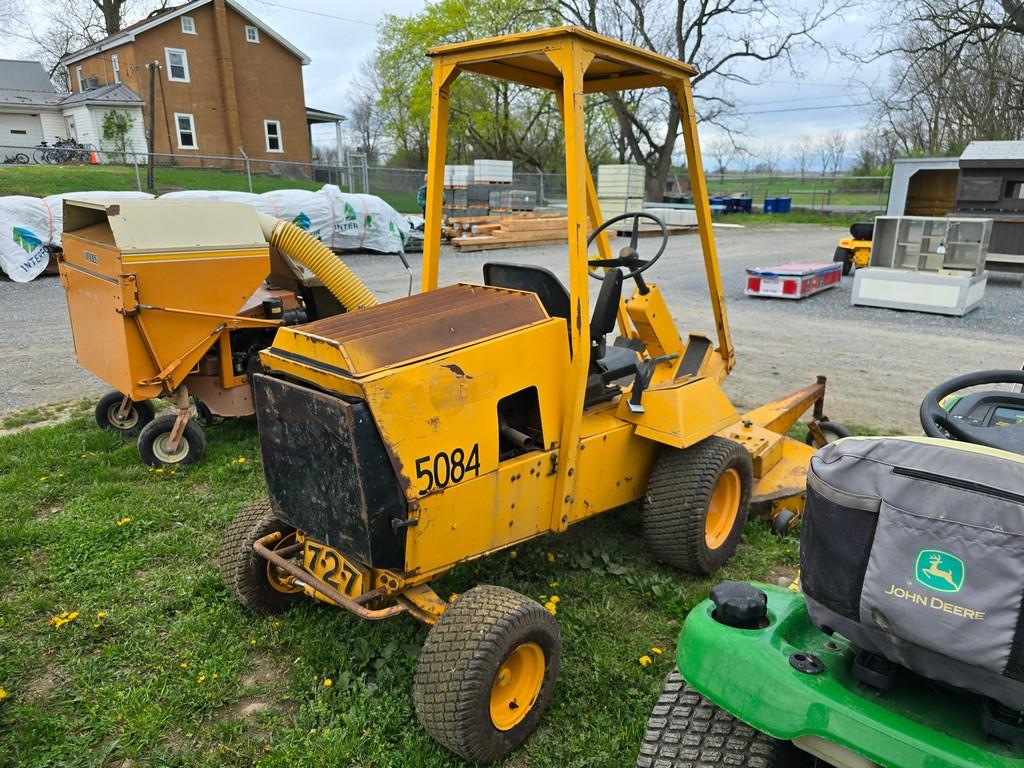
116	127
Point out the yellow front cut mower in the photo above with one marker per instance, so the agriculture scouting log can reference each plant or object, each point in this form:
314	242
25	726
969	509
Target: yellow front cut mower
403	439
855	251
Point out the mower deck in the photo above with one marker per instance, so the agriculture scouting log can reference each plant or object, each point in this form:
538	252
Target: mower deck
915	724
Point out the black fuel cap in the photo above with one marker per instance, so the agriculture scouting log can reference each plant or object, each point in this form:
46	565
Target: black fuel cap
740	605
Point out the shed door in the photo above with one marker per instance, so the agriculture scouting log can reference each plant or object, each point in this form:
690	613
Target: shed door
20	130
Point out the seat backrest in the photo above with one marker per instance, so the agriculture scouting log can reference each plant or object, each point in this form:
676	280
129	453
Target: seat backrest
606	308
526	277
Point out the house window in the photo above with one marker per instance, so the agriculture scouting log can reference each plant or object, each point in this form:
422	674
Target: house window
177	65
116	66
188	25
19	131
272	129
252	35
186	127
78	77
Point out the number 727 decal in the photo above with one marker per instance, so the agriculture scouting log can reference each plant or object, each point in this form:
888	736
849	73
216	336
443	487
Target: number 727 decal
444	469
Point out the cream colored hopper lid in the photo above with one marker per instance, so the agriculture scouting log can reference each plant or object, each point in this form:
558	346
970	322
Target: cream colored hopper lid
153	226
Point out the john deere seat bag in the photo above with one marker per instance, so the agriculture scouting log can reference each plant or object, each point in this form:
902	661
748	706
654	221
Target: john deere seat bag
913	549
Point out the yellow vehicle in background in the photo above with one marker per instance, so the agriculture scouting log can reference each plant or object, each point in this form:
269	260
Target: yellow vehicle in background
855	251
403	439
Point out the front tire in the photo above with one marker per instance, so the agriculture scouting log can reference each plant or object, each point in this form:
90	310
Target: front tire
154	443
487	672
253	581
696	504
685	730
139	415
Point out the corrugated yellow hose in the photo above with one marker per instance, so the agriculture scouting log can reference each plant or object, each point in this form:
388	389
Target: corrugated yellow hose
321	261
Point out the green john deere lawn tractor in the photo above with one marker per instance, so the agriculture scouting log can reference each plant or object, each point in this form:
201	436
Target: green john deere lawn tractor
903	645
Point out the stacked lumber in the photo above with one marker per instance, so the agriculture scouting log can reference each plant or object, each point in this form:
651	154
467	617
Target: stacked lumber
491	232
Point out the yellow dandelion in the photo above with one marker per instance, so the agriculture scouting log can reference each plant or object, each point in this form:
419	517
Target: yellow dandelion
123	521
554	599
657	651
96	625
513	555
645	660
64	618
159	471
252	641
266	747
3	694
101	614
551	557
552	608
184	665
61	474
542	597
328	682
240	460
201	679
42	479
215	676
553	584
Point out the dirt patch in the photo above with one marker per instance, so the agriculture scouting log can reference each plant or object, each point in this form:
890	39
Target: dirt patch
264	673
782	575
45	682
252	709
46	514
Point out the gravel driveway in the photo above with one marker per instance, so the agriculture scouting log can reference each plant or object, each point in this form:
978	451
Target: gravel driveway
879	362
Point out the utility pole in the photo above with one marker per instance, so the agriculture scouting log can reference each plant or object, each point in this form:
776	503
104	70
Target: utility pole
152	66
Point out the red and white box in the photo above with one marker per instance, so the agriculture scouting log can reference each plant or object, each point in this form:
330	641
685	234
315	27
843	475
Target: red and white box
793	281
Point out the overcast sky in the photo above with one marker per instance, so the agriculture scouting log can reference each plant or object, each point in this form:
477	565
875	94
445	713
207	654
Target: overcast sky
828	95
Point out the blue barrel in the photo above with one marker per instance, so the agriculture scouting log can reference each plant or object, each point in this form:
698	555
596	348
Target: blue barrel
783	204
769	204
746	204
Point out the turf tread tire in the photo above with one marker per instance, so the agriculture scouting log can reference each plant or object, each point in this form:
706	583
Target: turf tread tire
458	663
244	572
685	730
676	503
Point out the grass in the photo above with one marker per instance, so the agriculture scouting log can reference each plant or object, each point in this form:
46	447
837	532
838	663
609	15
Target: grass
813	191
796	217
174	672
43	180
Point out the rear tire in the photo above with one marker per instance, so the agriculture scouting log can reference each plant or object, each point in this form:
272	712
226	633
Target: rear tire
154	438
487	672
139	415
692	520
685	730
844	255
248	576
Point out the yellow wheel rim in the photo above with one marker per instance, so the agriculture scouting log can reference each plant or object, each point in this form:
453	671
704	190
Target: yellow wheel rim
276	576
723	509
516	686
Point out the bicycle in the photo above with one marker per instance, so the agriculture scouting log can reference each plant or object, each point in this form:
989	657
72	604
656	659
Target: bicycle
18	158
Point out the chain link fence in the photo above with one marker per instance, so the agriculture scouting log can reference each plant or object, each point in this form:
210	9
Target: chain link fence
33	171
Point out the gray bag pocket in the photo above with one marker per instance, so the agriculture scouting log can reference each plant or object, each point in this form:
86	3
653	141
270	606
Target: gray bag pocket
948	586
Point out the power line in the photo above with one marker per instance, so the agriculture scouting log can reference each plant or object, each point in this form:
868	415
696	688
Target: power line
318	13
804	109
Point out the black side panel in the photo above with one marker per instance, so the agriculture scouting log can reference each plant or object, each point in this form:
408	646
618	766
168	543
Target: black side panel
835	544
327	471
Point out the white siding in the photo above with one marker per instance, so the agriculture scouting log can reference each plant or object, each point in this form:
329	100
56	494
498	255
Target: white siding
136	136
83	124
53	125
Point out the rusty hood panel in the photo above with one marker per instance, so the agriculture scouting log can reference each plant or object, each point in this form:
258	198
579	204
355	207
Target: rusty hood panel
410	328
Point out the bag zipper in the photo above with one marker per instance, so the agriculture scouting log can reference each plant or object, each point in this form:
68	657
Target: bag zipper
956	482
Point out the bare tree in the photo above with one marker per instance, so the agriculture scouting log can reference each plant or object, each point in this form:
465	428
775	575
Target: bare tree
365	115
721	150
769	158
835	142
801	152
718	36
823	151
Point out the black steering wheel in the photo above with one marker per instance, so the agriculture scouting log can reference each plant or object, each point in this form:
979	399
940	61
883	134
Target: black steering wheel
938	422
628	257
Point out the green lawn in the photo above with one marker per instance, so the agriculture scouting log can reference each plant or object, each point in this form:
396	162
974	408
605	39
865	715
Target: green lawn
42	180
810	192
176	673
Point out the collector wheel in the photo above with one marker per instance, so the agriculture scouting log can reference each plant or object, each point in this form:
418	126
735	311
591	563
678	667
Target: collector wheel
254	582
685	730
696	504
832	430
155	443
487	672
130	423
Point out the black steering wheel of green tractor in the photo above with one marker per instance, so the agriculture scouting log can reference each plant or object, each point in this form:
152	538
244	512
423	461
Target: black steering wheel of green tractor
945	420
628	258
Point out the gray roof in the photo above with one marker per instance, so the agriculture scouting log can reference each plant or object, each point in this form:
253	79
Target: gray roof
994	150
117	93
24	76
12	98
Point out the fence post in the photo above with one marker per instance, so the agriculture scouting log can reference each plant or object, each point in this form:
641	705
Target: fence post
138	178
542	198
248	172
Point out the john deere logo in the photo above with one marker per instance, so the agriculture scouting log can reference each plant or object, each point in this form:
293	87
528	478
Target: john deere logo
939	570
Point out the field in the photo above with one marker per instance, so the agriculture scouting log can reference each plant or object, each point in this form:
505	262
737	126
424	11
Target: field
812	192
43	180
159	666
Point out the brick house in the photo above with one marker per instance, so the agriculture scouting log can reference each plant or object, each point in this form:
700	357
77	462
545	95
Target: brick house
224	80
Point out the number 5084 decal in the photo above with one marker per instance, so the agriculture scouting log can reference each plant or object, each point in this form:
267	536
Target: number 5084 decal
444	469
